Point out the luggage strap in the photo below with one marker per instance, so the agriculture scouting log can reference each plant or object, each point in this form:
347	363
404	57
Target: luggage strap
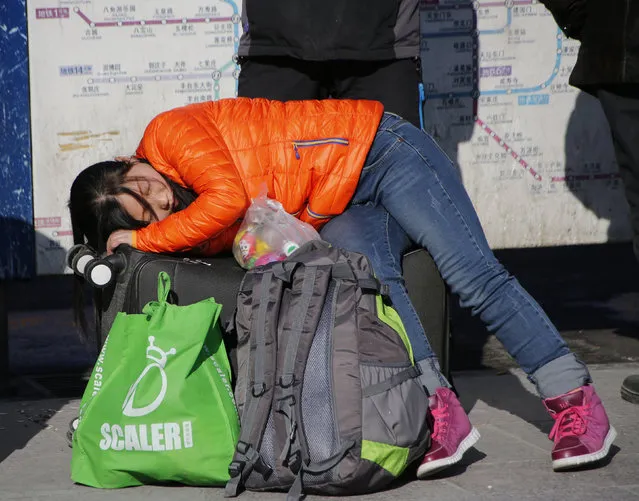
410	373
365	281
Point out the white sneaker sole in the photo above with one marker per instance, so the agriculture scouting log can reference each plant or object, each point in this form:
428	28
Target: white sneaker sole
567	463
432	467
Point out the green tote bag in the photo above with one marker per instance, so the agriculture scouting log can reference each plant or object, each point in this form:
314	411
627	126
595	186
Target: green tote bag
159	405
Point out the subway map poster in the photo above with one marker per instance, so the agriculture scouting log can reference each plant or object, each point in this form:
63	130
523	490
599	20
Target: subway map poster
533	152
100	71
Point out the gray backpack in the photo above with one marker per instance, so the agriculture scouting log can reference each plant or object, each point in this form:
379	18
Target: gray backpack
326	386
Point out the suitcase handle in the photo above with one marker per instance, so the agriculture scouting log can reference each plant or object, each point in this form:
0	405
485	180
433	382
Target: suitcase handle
99	272
78	257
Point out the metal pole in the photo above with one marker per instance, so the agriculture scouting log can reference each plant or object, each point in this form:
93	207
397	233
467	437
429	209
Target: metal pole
4	341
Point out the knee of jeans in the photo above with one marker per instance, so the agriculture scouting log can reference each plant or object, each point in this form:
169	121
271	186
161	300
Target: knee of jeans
341	231
353	241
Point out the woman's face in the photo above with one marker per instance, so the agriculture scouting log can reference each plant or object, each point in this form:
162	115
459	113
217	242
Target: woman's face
150	185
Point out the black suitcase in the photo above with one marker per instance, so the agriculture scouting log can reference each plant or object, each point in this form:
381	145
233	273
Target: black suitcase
192	279
429	294
127	280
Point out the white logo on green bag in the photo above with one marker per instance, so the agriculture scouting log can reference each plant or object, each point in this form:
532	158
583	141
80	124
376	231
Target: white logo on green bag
159	360
152	437
97	373
141	437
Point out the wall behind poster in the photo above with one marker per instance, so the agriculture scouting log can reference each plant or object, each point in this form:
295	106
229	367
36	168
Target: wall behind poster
16	212
534	153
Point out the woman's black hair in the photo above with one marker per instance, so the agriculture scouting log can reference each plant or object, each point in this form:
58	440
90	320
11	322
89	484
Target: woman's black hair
96	212
95	209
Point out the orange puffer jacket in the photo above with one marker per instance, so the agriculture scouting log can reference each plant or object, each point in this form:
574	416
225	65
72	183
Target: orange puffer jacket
309	154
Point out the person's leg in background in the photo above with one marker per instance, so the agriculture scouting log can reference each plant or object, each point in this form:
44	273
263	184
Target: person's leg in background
435	211
370	230
621	107
395	83
280	78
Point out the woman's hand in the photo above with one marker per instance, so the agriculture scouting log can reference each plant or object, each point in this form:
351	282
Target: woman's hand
117	238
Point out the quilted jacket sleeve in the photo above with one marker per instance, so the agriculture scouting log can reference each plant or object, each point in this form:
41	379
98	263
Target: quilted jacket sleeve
176	141
570	15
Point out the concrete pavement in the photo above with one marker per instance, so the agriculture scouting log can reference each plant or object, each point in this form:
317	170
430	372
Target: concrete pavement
510	462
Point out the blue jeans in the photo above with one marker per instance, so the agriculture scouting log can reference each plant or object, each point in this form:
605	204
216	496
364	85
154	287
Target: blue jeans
411	178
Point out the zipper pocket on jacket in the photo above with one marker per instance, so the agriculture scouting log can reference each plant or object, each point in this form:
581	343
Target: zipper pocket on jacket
307	143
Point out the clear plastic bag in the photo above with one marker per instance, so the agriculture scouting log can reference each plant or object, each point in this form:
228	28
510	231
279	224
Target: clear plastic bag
269	233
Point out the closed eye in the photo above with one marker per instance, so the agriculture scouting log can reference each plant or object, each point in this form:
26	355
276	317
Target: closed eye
144	188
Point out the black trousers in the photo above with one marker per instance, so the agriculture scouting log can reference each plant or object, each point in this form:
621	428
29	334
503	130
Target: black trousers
621	107
394	83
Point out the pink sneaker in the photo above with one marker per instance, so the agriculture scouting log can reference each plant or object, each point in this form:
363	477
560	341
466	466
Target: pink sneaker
582	433
452	434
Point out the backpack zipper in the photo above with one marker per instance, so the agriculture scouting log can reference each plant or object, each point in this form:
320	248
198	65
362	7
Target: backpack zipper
307	143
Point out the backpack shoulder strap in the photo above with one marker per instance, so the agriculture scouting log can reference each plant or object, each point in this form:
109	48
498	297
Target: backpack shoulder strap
308	293
266	299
